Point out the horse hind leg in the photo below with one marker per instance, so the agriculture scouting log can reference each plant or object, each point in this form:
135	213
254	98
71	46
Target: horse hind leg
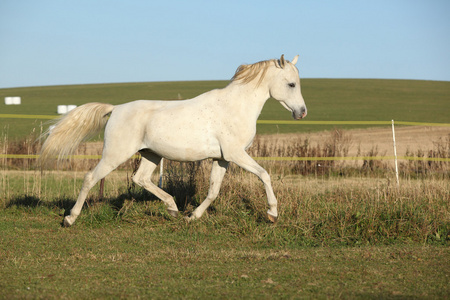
142	177
90	179
218	170
107	164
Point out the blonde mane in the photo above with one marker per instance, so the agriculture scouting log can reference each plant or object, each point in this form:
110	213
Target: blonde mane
247	73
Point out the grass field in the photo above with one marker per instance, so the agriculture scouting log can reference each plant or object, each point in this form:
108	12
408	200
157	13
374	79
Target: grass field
336	237
326	99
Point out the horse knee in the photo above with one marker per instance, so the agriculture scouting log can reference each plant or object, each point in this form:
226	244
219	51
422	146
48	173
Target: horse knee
265	177
142	182
137	180
88	182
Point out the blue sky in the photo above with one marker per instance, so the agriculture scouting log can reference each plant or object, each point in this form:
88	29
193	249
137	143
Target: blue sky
104	41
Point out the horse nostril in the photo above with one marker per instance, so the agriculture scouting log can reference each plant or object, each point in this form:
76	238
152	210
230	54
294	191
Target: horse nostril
300	113
303	112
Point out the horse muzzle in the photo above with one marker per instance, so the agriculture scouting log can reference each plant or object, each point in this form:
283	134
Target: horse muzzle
299	114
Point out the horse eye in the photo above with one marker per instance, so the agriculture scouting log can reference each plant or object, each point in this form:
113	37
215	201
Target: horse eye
292	85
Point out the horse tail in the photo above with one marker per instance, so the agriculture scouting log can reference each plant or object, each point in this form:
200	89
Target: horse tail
70	130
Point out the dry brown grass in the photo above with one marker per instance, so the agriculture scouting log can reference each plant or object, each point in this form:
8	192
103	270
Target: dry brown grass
415	141
408	138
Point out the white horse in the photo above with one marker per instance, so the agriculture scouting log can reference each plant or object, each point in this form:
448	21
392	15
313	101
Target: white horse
219	124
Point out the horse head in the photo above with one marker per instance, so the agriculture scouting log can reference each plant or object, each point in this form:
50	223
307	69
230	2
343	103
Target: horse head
284	86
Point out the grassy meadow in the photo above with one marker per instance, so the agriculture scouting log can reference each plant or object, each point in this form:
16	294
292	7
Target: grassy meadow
345	229
353	237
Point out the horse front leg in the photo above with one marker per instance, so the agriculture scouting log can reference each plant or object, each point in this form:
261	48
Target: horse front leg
245	161
218	170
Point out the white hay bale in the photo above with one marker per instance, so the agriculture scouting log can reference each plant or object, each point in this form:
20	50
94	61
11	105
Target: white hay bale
62	109
16	100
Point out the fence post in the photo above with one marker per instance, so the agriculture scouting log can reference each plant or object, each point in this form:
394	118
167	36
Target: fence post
395	154
102	184
161	173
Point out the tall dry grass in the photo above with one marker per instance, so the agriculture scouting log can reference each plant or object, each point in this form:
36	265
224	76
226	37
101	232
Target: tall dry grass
440	149
322	210
312	210
338	144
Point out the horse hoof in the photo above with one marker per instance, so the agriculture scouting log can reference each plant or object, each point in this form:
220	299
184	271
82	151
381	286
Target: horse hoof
190	218
272	219
66	222
173	213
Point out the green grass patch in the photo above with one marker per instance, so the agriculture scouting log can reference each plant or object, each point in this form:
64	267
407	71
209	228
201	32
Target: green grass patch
336	237
173	259
327	211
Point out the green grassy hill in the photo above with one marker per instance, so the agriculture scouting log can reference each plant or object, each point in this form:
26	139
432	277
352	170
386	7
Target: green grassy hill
326	99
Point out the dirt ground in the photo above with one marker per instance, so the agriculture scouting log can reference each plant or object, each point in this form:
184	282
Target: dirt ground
408	138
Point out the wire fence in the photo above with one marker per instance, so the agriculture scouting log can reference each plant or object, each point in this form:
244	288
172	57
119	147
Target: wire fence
268	122
412	158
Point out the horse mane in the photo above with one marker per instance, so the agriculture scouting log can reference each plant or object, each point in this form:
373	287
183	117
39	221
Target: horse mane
247	73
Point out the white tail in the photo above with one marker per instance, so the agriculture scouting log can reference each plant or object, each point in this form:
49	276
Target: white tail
70	130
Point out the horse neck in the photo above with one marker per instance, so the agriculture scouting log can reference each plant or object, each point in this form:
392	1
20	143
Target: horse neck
248	98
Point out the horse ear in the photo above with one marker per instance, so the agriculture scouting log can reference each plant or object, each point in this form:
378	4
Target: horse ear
294	61
282	61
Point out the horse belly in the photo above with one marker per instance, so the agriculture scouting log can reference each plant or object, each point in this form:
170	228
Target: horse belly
182	144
